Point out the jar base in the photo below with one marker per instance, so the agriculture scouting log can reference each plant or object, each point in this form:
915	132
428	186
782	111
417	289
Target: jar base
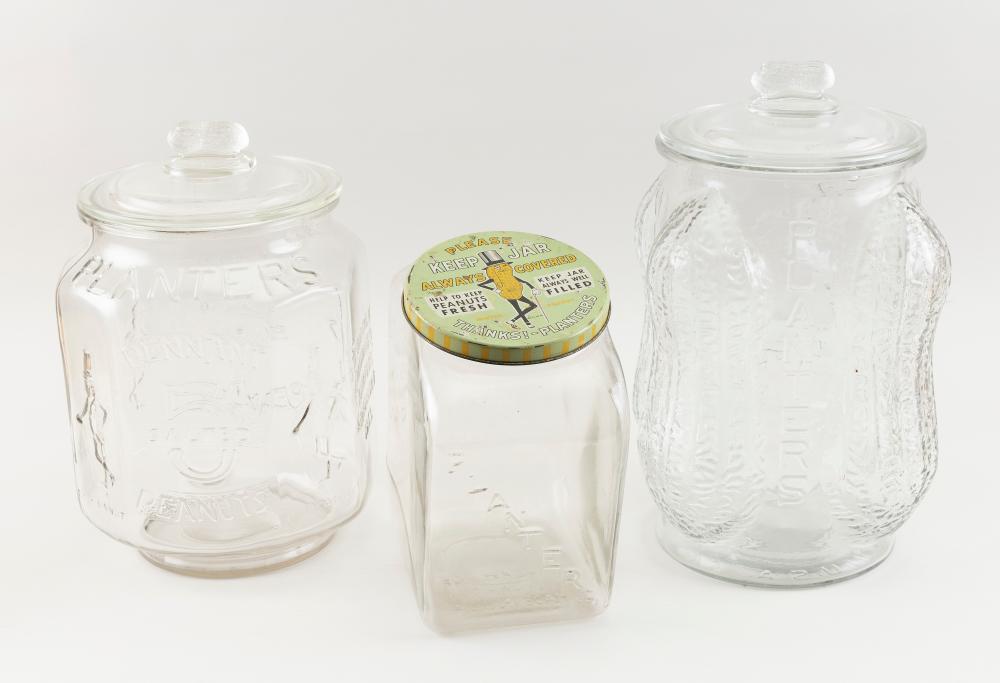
730	562
236	564
448	623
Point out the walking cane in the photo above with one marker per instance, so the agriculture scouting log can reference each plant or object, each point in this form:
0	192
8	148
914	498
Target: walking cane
538	303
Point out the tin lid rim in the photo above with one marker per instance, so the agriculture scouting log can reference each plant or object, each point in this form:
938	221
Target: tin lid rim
508	363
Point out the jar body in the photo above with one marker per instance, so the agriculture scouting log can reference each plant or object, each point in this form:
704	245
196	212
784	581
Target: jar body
219	390
784	392
509	479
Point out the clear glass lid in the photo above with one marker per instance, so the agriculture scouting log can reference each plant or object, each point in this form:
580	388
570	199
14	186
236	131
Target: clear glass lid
792	125
212	181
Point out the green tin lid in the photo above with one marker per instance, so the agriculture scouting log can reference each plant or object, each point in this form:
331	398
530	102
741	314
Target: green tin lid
506	297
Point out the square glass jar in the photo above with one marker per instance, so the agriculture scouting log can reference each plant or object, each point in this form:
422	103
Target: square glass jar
509	474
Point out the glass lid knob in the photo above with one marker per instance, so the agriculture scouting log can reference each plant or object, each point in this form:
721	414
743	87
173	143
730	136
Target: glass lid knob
209	148
793	89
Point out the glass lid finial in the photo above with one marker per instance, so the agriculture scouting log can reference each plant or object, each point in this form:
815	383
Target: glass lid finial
209	148
793	88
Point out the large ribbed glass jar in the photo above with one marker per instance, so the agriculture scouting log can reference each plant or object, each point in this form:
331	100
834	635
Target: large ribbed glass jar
215	338
509	431
793	284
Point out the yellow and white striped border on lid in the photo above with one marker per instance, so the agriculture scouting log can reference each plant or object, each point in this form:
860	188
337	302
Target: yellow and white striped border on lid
506	297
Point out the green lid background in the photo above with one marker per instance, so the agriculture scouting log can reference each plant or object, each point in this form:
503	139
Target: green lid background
500	296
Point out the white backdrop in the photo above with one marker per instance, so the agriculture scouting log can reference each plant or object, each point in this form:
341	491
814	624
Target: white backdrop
443	118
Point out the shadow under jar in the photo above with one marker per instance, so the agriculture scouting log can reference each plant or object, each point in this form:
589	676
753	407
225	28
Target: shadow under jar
793	284
509	431
215	338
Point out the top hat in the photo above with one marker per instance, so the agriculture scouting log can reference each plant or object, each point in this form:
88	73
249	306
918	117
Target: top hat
491	257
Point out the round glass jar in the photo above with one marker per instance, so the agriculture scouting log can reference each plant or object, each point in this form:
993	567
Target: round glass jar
216	346
793	283
509	430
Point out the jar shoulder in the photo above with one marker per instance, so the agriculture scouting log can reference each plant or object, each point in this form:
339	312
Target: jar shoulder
691	225
262	269
578	382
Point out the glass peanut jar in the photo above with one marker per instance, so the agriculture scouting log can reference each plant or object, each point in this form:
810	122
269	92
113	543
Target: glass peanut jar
793	284
509	430
215	338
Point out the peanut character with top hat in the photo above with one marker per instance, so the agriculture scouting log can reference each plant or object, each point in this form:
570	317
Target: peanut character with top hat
502	280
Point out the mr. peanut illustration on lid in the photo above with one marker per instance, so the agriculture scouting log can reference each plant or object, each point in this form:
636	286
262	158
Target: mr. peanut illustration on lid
506	297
